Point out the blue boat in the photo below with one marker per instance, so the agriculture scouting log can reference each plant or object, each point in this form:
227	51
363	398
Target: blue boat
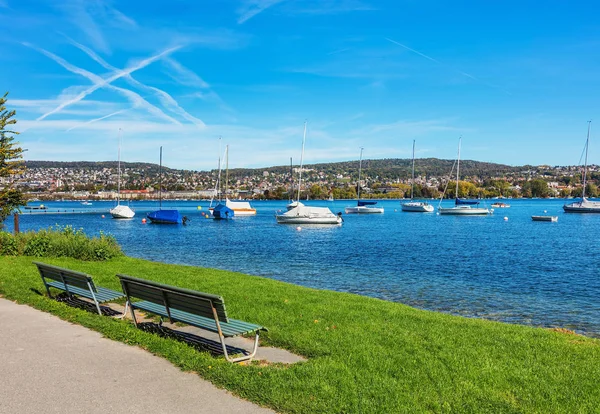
460	202
222	212
161	216
165	217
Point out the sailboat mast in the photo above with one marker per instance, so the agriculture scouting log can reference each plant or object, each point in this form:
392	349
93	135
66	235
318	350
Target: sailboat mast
291	191
587	145
359	171
160	180
301	162
458	166
226	170
119	170
412	187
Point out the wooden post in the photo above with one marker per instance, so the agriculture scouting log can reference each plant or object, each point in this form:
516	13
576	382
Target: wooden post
16	223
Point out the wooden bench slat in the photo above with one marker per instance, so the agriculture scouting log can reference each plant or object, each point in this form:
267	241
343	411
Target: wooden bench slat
102	294
232	328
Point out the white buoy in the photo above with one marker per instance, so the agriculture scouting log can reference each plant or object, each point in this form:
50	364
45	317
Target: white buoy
298	228
545	211
102	215
505	218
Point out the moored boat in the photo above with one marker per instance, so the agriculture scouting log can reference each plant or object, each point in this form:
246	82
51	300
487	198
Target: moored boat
544	218
363	207
413	206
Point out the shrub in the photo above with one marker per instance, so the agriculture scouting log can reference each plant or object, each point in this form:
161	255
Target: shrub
8	244
60	242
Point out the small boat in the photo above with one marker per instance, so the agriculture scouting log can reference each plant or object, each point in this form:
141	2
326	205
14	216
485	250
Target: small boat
301	214
500	205
412	205
86	203
462	207
584	205
120	211
363	207
161	216
222	211
544	218
40	207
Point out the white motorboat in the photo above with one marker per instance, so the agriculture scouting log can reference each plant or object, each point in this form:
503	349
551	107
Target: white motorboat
363	207
302	214
241	208
584	205
412	205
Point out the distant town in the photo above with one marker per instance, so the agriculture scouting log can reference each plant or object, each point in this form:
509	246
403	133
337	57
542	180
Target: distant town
387	178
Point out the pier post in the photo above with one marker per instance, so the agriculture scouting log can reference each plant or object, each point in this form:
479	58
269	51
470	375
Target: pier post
16	223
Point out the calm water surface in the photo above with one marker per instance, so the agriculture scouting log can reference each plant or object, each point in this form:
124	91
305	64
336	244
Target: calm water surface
515	270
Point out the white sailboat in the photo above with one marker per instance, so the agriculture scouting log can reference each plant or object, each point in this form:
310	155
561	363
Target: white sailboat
363	207
462	207
120	211
584	205
412	205
301	214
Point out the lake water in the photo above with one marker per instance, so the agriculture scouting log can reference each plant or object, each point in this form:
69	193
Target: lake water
515	270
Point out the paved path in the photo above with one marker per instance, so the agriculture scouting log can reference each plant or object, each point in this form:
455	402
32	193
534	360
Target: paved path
51	366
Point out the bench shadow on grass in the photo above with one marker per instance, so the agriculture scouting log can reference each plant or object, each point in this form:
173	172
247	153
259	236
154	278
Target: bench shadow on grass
76	302
195	341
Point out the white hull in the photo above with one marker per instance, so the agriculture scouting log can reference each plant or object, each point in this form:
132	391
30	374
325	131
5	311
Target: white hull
122	212
464	211
417	207
584	206
308	215
364	210
241	208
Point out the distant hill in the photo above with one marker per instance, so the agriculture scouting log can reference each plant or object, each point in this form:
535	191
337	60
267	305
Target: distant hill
389	168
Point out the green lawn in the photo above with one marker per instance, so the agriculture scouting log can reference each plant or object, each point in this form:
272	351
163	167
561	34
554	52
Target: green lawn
364	355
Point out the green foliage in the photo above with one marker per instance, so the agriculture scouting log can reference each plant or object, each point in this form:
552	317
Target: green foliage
11	163
8	245
60	242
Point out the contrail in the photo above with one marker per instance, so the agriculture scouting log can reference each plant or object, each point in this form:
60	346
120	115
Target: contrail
440	63
97	119
102	82
259	7
99	83
166	99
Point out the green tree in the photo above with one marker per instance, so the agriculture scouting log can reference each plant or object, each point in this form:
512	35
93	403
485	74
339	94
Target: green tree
11	163
539	188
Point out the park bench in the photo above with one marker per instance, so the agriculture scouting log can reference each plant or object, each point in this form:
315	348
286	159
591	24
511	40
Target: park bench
75	283
190	307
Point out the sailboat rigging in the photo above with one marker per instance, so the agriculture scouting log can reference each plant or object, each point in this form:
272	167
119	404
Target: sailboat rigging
412	205
298	213
461	207
120	211
221	210
362	207
161	216
584	205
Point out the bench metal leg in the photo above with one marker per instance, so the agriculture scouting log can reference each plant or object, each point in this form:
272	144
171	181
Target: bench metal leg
124	311
242	358
132	313
94	299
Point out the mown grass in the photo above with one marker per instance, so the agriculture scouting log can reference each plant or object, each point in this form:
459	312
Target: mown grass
364	355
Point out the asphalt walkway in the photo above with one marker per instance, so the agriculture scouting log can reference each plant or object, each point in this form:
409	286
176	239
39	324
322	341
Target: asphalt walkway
48	365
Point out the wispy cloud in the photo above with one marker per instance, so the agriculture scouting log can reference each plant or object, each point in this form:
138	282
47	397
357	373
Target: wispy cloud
183	75
90	15
167	100
251	8
91	121
328	6
105	82
468	75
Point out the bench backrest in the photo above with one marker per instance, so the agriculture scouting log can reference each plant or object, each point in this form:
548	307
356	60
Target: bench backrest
191	301
66	276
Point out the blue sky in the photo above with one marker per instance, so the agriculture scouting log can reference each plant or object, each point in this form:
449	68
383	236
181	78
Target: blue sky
518	80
